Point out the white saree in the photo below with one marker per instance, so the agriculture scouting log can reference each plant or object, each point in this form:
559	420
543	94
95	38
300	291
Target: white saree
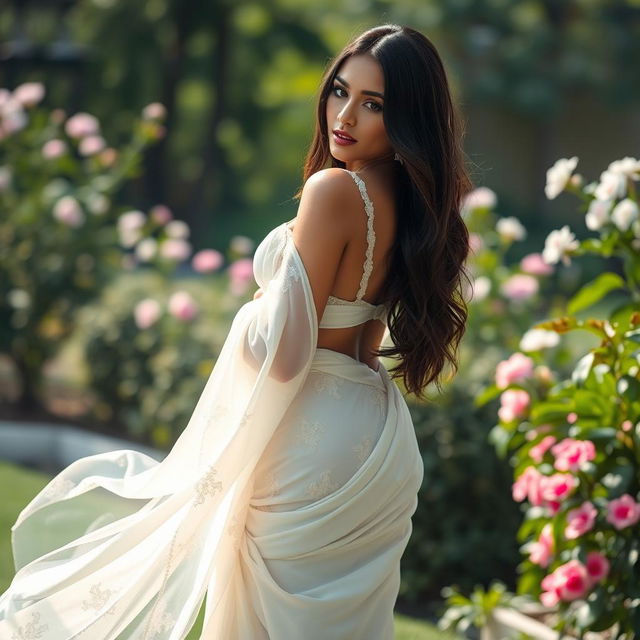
285	504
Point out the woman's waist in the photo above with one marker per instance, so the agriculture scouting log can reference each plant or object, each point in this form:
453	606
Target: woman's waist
341	364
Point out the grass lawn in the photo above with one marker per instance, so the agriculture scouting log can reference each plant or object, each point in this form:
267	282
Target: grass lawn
21	485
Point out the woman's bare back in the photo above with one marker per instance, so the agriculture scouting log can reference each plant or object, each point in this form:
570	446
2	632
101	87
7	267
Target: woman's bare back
358	342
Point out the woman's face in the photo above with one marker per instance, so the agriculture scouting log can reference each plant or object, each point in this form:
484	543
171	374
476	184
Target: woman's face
355	106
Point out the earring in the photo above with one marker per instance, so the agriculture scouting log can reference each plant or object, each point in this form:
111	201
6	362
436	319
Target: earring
398	158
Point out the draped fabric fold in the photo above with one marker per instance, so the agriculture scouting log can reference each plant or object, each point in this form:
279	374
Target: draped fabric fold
121	546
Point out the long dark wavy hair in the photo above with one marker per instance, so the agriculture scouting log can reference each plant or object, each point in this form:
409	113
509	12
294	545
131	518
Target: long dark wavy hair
423	289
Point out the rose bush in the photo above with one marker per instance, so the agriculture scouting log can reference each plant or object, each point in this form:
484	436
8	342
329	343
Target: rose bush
149	341
58	245
575	442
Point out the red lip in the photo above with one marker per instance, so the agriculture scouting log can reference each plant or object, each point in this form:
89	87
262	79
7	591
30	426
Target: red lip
344	134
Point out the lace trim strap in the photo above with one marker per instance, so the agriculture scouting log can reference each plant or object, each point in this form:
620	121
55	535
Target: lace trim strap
371	236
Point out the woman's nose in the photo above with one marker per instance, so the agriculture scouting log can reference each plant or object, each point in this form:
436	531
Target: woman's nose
345	116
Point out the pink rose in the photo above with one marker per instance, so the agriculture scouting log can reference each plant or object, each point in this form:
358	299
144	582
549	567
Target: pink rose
154	111
558	487
476	243
68	211
53	149
626	425
517	367
240	275
146	313
81	125
537	451
161	214
540	552
570	454
568	582
514	403
527	485
623	511
29	94
535	265
597	566
519	286
175	249
580	520
207	260
182	306
90	145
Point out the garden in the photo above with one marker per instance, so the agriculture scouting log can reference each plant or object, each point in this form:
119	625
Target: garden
126	250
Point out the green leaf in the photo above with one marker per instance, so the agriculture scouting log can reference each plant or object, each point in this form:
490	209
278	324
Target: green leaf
499	437
590	403
629	387
488	394
634	335
550	411
594	291
582	369
622	314
601	433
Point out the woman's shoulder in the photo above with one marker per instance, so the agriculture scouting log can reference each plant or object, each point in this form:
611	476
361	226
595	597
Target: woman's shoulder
331	193
330	180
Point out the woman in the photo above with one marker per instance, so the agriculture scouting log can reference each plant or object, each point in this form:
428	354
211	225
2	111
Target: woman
286	502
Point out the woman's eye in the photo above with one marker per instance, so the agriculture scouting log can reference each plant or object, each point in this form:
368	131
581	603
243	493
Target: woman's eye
375	106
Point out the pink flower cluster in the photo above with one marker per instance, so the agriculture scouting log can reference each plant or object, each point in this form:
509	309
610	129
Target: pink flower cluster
516	368
181	305
240	275
569	453
519	286
542	490
513	404
542	550
573	579
623	511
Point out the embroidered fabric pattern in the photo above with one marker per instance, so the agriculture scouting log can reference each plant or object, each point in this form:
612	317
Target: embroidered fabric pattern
371	236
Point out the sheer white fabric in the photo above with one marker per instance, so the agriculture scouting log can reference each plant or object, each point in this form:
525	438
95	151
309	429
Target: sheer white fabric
285	504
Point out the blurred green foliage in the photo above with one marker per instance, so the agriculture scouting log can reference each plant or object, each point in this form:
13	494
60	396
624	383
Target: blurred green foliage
239	79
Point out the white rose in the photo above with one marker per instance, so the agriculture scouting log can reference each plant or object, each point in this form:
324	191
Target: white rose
68	211
612	185
480	198
146	249
628	166
98	204
241	244
536	339
177	229
598	214
624	213
480	289
558	244
511	229
558	176
131	221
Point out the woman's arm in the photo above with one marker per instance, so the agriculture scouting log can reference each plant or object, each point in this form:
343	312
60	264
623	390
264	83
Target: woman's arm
330	207
329	204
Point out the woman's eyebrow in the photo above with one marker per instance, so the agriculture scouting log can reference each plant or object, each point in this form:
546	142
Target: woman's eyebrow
370	93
